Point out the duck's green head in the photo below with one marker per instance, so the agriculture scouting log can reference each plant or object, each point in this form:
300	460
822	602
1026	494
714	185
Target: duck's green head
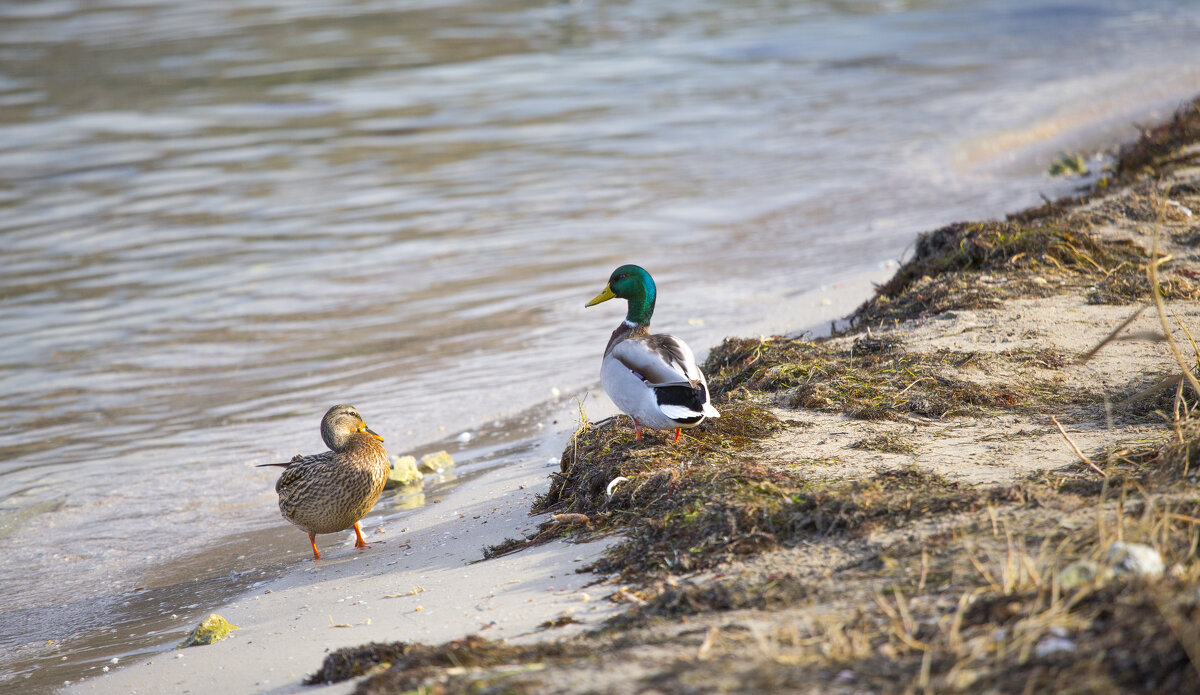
633	284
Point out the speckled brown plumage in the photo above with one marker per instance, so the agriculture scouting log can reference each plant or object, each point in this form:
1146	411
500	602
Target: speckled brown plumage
332	491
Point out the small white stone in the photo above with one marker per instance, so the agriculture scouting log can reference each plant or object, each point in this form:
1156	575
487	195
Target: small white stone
1136	558
1052	645
464	437
554	391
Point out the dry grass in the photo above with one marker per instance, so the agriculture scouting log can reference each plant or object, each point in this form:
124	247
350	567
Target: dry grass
986	612
889	383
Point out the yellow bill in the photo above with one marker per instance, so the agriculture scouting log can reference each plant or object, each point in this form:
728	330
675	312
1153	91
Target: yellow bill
604	296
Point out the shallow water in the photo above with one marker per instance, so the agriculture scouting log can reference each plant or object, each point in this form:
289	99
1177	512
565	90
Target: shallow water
217	219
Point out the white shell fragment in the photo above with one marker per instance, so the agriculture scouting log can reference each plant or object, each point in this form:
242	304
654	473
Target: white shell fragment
608	491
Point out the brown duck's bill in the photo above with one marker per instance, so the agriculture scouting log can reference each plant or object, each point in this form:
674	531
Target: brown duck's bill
371	432
604	296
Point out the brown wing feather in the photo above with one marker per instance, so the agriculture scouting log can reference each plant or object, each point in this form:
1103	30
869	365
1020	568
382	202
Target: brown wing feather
302	468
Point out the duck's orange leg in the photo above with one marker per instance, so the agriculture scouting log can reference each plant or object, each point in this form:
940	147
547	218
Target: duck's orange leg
360	542
677	429
312	538
637	430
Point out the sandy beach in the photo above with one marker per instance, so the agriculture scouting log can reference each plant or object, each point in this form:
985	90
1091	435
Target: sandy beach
890	508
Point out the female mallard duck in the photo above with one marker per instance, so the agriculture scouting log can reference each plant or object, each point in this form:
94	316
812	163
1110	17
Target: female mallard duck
653	378
332	491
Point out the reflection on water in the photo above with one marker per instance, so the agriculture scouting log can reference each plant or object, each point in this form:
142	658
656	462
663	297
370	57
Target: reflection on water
219	218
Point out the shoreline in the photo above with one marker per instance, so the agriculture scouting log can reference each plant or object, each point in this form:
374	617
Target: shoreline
816	308
890	508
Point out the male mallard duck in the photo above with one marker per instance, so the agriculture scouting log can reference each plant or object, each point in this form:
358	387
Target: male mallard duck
332	491
653	378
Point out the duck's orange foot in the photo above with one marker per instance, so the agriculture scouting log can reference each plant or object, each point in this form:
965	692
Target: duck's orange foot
359	541
637	430
677	429
312	538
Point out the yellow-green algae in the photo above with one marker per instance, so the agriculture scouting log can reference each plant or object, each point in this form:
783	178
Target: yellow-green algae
214	628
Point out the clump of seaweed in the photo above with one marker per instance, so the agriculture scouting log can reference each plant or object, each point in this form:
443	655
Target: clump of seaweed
884	384
1161	146
673	597
979	264
886	443
1068	164
406	666
694	507
1129	284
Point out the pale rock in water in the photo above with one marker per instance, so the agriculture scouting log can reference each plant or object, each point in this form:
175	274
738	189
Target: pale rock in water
404	472
436	462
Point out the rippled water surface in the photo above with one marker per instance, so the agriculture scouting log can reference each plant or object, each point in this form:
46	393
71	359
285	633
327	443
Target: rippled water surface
219	218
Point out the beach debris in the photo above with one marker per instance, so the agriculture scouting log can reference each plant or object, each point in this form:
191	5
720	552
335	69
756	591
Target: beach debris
333	624
404	472
1078	573
411	592
214	628
612	485
1053	644
436	462
561	621
555	392
709	640
1068	164
464	437
626	595
1135	558
571	518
